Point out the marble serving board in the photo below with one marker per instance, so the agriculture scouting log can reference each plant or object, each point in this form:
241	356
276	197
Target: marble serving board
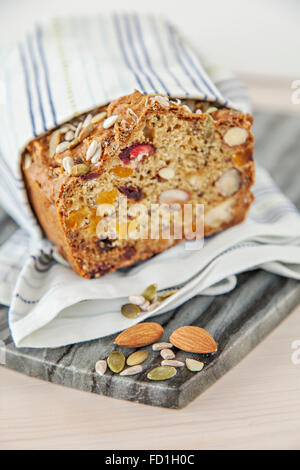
238	320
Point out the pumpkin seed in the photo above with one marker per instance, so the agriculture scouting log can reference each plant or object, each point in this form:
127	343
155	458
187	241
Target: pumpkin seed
116	361
130	310
101	367
150	292
162	373
167	294
132	370
80	169
193	365
137	357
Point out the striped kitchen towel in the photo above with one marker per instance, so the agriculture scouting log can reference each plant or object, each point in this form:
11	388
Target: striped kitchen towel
66	67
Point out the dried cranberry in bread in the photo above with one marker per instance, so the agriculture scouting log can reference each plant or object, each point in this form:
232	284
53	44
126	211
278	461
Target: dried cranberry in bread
150	149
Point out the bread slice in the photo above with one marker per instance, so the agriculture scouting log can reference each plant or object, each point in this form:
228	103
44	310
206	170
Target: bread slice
151	150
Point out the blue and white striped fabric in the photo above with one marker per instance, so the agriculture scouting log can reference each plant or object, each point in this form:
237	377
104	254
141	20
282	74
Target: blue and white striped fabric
69	66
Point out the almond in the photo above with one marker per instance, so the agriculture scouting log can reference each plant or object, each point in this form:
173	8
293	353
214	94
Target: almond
140	335
236	136
193	339
229	183
174	195
166	173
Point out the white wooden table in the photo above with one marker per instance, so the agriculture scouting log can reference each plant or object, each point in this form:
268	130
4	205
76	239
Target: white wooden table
255	406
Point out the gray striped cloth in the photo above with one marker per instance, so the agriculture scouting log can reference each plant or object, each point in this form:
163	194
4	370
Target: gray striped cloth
66	67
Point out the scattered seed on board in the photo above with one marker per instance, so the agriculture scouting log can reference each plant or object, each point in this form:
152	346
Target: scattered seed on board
137	300
150	292
153	306
137	357
172	363
116	361
162	373
101	367
92	149
167	354
130	310
62	147
132	370
160	346
193	365
68	164
109	122
145	306
165	295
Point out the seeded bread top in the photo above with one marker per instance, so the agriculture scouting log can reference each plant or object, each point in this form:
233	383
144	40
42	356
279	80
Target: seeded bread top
79	148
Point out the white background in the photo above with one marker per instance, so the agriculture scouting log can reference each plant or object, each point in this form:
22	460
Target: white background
257	37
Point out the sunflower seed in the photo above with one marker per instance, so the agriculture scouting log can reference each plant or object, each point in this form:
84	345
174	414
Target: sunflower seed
101	367
153	306
64	129
145	306
74	143
160	346
137	300
177	101
137	357
169	362
78	129
132	370
27	164
193	365
68	164
116	361
53	142
162	373
92	149
62	147
69	136
85	131
187	108
87	120
130	310
212	109
150	292
99	117
109	122
162	100
96	157
167	354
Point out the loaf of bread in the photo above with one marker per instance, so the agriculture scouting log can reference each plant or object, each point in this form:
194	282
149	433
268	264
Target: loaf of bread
152	150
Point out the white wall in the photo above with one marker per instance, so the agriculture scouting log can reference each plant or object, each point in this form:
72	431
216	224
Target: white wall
251	36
